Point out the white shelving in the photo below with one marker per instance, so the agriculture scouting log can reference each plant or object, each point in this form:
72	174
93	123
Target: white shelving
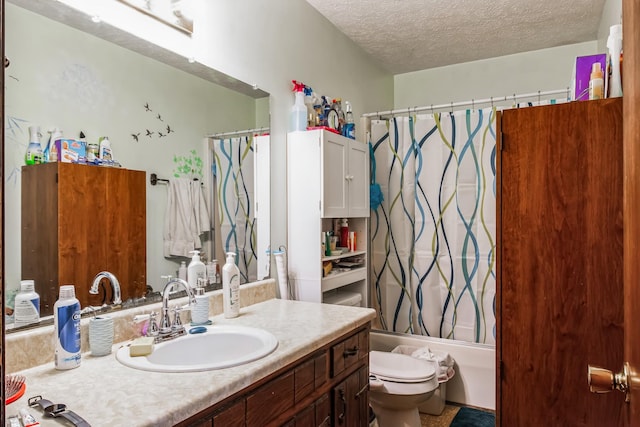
327	179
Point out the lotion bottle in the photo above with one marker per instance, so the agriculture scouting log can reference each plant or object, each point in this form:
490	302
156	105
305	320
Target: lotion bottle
596	82
196	270
200	312
231	287
66	321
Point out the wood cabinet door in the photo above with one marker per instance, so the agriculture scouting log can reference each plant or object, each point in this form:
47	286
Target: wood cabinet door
559	297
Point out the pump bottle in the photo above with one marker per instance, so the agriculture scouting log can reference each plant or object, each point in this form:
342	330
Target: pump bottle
196	270
231	287
298	118
200	311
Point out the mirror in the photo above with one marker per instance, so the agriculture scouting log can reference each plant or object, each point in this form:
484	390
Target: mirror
155	105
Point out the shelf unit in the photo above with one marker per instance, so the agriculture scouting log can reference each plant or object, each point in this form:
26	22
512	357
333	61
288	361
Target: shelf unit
327	179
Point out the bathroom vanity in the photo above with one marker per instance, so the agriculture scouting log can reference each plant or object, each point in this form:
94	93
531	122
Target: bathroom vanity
317	376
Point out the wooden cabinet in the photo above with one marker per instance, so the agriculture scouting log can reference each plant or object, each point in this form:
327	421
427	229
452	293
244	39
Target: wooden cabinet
79	220
327	179
324	389
560	240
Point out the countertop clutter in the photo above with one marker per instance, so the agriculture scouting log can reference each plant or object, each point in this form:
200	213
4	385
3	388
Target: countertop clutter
106	393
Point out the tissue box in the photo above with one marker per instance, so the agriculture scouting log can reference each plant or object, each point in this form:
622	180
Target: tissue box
71	150
582	73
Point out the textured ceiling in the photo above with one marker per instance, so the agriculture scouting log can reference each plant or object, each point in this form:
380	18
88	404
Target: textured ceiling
411	35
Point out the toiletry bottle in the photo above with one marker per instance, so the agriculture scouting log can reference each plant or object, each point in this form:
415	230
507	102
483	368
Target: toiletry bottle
337	105
105	149
51	151
196	270
614	43
344	233
308	102
231	287
200	311
298	118
212	267
596	82
182	271
34	150
66	320
27	305
349	129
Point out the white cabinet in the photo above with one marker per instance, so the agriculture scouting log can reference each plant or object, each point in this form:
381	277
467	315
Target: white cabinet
327	179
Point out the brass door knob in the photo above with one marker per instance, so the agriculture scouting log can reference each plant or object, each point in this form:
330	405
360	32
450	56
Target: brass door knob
603	380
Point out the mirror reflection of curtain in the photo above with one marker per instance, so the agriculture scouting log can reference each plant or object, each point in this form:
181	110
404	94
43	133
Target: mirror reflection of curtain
234	183
433	236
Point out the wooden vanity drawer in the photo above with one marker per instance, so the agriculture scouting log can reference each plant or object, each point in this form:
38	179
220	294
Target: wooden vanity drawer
270	400
232	416
345	354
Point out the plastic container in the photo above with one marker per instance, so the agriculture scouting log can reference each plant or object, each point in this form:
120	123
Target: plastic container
27	305
105	149
344	233
51	151
182	271
196	270
66	321
614	44
231	287
596	82
349	129
200	311
34	153
212	272
298	118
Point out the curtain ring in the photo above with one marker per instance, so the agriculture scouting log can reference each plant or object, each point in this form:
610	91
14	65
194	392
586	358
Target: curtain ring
451	107
473	105
538	96
432	109
491	98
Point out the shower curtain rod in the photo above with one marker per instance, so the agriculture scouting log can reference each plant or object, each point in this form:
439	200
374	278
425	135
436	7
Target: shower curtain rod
452	105
240	132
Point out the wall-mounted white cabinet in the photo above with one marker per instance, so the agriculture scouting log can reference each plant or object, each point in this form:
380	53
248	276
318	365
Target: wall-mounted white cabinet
327	179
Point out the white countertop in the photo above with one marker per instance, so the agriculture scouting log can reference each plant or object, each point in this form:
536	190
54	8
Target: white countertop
107	393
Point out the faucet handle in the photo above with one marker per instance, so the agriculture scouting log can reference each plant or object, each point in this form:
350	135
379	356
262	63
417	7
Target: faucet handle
153	329
177	322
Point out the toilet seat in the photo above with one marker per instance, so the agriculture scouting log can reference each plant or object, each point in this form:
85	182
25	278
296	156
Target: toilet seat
396	367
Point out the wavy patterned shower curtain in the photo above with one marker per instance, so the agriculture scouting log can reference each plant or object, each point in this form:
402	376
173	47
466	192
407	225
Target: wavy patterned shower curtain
433	236
234	168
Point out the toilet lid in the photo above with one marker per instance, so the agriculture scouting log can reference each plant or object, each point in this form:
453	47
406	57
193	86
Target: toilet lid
400	367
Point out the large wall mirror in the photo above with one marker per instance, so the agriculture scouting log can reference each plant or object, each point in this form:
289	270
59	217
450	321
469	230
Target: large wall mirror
164	113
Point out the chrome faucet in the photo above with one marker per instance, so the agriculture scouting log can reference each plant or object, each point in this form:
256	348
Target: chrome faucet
167	328
115	286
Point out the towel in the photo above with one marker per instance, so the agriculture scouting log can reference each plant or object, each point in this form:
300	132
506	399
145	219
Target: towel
444	360
187	217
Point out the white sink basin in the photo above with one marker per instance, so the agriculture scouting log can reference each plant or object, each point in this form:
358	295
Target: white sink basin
222	346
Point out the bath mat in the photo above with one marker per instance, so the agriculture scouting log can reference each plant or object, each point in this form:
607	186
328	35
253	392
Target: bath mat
469	417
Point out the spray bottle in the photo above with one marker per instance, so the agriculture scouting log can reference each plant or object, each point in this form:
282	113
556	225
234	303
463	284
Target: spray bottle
34	150
51	151
298	118
349	129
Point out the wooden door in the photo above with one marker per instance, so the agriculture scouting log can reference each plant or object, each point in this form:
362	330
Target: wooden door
631	100
560	237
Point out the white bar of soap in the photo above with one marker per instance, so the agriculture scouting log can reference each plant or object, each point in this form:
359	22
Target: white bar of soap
141	346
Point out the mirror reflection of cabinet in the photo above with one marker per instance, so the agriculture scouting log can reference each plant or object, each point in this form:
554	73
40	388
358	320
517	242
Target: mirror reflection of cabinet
79	220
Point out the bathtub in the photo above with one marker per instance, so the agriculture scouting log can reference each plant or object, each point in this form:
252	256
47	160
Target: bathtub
474	383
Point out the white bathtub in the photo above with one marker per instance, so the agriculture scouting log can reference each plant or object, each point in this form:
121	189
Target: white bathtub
474	383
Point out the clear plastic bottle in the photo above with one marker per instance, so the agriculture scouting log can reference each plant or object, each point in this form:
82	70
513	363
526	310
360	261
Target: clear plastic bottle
596	82
298	118
231	287
34	154
344	233
182	271
27	305
349	129
66	321
51	151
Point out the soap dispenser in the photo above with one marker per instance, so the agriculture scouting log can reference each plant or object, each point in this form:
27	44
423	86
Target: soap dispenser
196	270
231	287
200	311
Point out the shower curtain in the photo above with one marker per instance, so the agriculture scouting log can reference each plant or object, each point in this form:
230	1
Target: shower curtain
433	236
234	168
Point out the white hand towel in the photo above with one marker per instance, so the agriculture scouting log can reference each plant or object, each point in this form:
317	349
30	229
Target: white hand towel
186	218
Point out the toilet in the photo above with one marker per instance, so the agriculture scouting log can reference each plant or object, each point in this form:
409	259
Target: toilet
398	384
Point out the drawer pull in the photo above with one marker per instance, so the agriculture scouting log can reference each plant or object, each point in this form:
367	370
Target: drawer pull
326	421
350	352
362	390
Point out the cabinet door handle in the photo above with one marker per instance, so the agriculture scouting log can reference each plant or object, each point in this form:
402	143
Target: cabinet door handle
344	406
326	421
350	352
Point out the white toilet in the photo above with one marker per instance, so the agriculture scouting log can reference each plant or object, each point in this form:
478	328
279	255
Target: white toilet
398	384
